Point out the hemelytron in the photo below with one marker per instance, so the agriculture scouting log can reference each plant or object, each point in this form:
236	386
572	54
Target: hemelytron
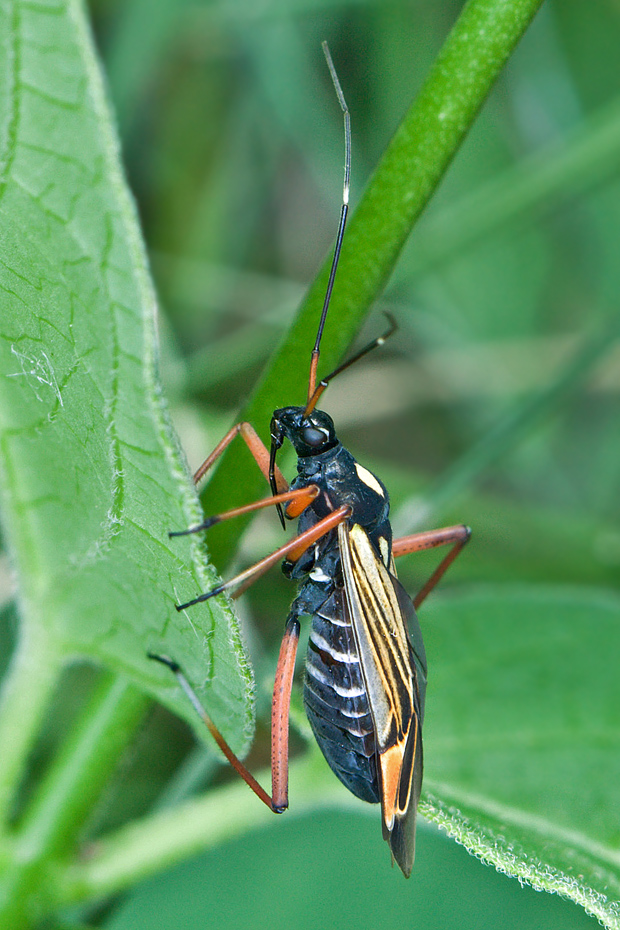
365	678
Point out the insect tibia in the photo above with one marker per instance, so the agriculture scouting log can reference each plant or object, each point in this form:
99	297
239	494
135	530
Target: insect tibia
202	597
205	525
174	667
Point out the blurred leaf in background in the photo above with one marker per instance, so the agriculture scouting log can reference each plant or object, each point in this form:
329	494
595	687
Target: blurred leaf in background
496	406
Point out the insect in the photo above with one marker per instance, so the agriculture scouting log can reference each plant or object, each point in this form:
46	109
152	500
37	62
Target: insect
365	678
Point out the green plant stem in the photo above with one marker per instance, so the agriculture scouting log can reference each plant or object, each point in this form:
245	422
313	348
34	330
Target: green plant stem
66	796
75	780
581	159
150	845
409	172
26	689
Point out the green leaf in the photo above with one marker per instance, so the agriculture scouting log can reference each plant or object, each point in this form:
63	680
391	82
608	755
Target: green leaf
522	735
91	475
232	886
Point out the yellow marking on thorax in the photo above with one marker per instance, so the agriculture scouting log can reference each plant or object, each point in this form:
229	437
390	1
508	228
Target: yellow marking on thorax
369	479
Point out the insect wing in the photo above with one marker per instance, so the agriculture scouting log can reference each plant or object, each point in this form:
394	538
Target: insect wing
395	680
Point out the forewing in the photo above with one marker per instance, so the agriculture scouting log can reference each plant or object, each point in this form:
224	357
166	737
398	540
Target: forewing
379	609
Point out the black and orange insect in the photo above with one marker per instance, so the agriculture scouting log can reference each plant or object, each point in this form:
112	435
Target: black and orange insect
365	678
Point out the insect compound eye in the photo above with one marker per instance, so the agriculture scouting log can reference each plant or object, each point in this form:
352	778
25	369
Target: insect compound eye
313	437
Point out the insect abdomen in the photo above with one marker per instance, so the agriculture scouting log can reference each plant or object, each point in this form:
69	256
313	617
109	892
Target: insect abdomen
336	701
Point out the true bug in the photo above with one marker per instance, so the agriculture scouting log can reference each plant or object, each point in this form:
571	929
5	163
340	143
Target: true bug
365	679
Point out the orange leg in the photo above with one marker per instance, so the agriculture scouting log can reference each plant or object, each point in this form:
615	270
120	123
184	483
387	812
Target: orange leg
278	802
283	683
255	444
280	708
294	549
456	536
297	502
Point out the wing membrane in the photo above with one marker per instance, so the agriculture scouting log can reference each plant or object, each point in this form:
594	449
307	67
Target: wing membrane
395	680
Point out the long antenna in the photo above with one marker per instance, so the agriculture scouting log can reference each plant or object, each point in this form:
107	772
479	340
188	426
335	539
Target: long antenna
314	360
358	355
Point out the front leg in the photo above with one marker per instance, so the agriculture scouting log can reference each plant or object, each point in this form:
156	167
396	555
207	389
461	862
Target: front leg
257	447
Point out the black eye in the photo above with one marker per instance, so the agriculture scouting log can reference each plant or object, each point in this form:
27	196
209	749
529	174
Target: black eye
313	437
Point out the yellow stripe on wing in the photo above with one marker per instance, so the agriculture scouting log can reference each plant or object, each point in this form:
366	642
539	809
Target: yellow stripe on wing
381	635
389	675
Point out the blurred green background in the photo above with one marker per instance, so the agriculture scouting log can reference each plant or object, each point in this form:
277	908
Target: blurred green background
296	876
496	405
233	145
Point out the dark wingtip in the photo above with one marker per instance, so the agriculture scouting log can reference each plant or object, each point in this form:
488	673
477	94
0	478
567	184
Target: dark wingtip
402	845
